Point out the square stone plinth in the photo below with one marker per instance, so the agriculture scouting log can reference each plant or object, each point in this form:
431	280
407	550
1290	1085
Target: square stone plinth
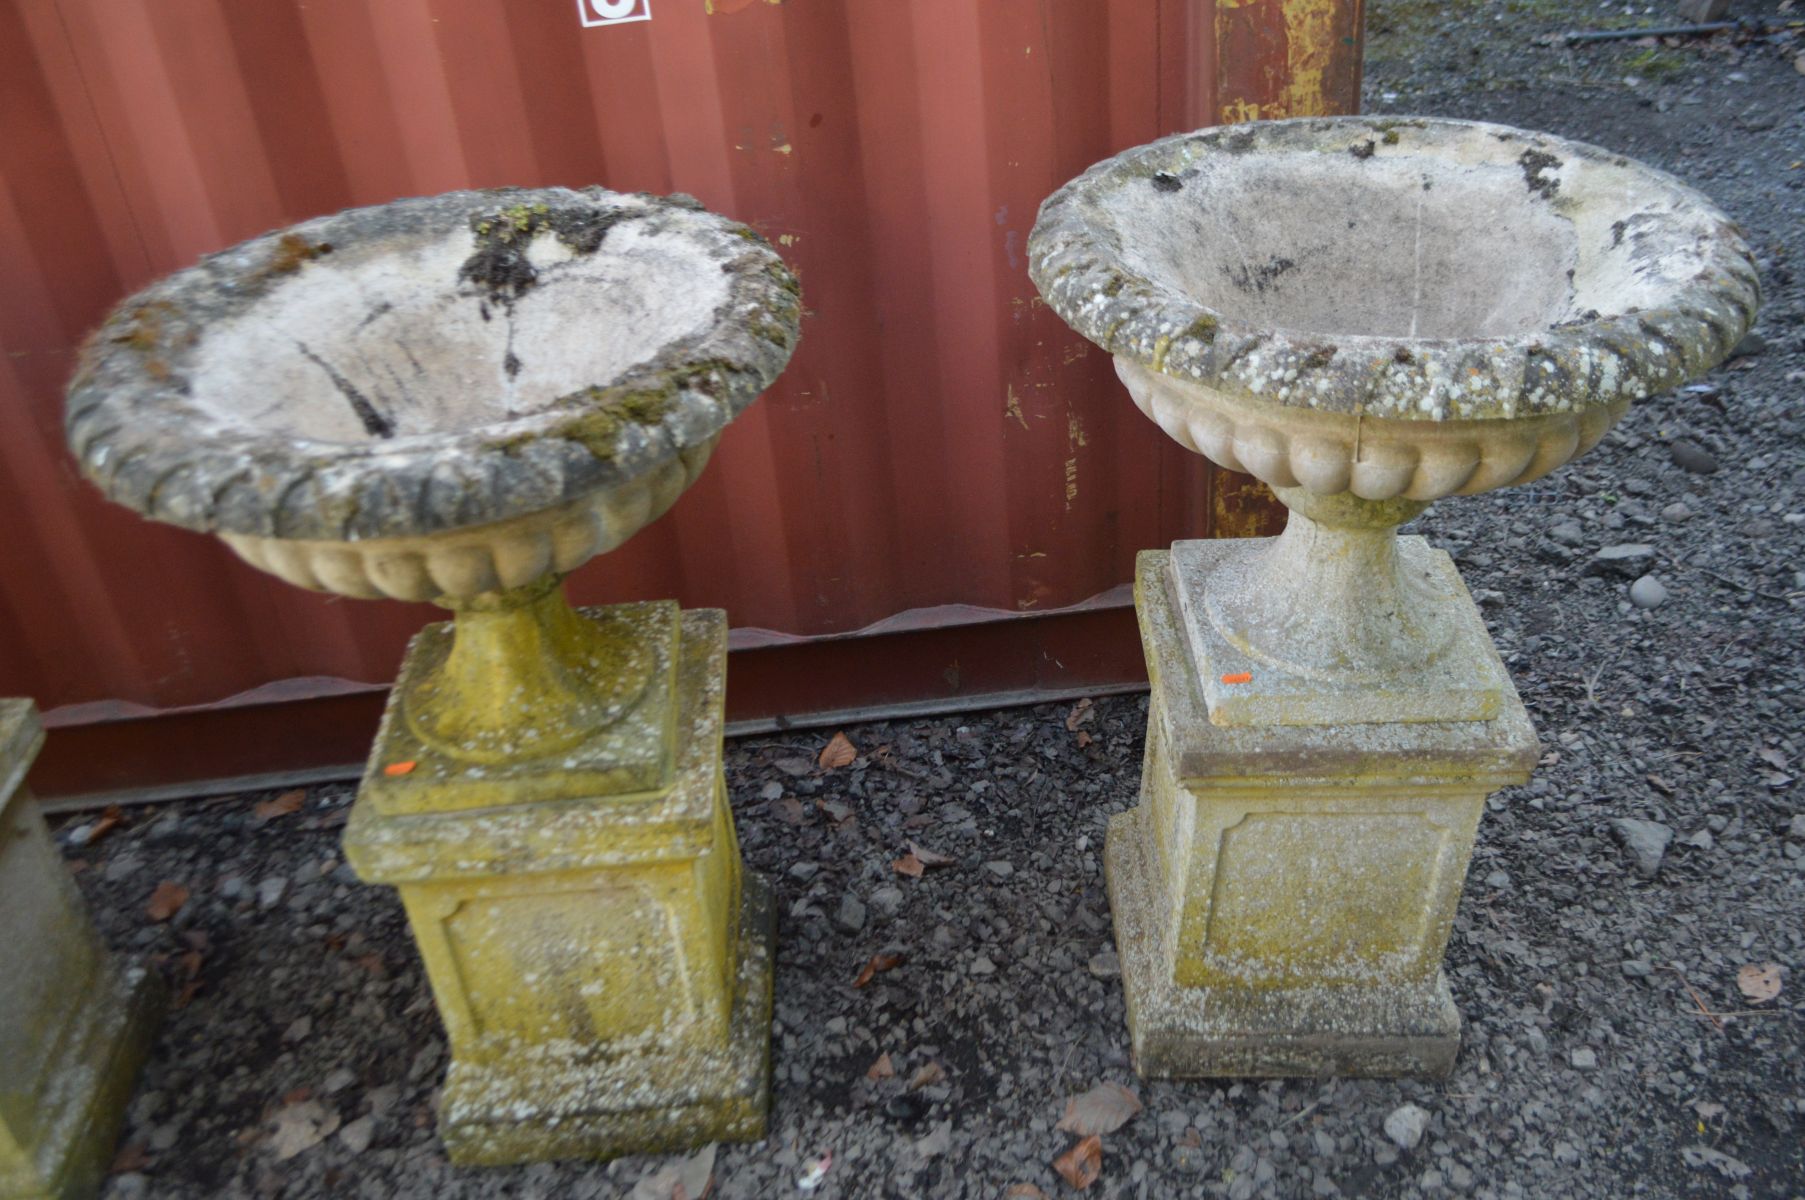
1464	682
75	1023
1282	895
601	963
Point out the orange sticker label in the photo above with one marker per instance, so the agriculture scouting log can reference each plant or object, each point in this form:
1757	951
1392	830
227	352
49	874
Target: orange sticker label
400	768
1243	677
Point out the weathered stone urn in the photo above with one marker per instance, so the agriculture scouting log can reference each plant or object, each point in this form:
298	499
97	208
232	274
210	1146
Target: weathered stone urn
1368	315
461	399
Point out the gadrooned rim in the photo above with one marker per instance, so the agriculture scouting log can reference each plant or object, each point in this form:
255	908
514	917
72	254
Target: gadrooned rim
1075	259
147	446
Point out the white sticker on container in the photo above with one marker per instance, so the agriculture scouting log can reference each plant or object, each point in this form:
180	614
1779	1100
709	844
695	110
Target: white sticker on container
613	12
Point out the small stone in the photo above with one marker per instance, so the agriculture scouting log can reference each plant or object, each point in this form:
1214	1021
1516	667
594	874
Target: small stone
1637	968
1647	842
982	965
1000	869
1584	1058
1568	533
1624	561
1676	512
804	870
1690	456
1105	965
271	891
1796	830
340	1079
1648	592
771	791
1702	840
1498	880
357	1135
298	1029
1406	1126
887	900
1751	344
851	916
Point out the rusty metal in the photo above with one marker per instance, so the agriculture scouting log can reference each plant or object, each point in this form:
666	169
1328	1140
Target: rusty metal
940	439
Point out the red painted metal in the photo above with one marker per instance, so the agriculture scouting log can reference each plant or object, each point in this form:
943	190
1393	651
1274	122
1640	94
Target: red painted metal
940	438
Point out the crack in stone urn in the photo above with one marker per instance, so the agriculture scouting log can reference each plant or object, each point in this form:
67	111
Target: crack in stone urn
1369	316
461	399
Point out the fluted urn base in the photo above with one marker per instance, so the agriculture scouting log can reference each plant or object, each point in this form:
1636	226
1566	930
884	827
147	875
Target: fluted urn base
1335	621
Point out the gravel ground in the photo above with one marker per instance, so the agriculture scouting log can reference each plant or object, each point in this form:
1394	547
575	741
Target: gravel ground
1658	852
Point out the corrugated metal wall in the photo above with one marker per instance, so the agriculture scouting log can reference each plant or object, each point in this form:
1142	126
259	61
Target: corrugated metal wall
939	439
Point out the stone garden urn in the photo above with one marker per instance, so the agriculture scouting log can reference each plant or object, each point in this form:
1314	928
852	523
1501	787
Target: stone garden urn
461	399
1369	316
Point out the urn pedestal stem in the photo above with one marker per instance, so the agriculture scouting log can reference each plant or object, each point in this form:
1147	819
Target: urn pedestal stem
526	675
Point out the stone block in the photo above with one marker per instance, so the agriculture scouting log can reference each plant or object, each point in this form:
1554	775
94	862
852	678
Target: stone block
601	963
1283	894
75	1023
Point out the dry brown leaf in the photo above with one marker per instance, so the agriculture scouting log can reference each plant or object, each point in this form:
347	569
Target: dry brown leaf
930	858
1081	1165
1081	712
908	865
131	1157
1084	739
883	1068
1760	982
281	806
166	901
789	810
1104	1109
878	965
105	824
839	752
927	1075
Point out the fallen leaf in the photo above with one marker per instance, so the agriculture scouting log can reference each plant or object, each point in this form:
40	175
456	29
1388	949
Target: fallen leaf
839	752
1084	739
1104	1109
166	901
883	1068
1660	785
131	1157
1081	1165
105	824
301	1127
281	806
877	966
930	858
908	865
789	810
927	1075
1760	982
1081	712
